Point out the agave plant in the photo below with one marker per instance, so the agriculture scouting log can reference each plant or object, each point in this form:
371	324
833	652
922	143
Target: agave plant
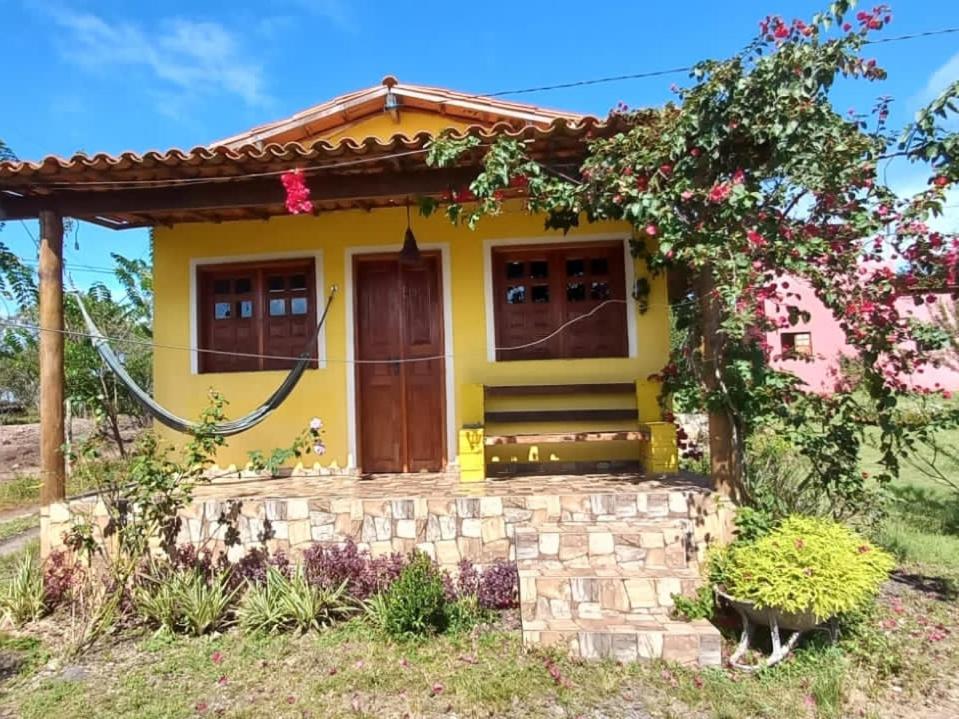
186	601
22	600
290	603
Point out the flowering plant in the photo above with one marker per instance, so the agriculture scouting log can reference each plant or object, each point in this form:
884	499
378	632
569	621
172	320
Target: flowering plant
310	439
749	175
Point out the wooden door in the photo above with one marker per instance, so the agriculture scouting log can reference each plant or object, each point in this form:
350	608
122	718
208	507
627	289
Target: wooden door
400	373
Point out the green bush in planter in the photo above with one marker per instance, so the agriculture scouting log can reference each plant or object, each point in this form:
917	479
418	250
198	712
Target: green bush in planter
804	565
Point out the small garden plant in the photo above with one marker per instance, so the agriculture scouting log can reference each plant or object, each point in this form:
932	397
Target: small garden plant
804	565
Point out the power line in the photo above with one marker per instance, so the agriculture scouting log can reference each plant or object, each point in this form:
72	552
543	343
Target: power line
407	153
686	68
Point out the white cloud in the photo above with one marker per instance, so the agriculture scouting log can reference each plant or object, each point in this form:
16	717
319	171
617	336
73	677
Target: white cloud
337	12
189	56
945	75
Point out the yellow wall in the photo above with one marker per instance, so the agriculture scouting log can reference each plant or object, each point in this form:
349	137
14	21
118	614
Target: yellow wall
322	392
383	126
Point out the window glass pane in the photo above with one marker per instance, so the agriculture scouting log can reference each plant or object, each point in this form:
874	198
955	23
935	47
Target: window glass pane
516	295
540	293
575	292
221	287
599	291
222	310
243	285
244	308
538	269
277	308
514	270
298	306
575	268
276	284
298	282
599	266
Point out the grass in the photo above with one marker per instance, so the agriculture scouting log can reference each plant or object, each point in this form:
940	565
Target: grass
351	671
18	526
24	491
923	521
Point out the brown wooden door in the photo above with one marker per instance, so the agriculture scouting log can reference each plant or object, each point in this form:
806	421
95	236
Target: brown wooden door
400	373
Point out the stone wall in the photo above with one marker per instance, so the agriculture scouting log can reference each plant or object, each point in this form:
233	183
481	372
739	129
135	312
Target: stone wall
479	528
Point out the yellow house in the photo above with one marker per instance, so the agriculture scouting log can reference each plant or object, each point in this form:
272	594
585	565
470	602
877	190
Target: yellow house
448	359
503	350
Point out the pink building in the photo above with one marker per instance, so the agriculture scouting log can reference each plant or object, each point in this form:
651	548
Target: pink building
812	350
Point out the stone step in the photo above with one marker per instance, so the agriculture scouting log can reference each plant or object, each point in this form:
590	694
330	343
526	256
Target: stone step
609	594
634	545
696	643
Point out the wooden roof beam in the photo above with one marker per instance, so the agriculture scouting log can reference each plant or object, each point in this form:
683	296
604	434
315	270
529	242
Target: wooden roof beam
228	195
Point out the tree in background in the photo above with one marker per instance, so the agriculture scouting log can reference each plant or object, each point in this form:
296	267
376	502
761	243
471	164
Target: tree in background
750	174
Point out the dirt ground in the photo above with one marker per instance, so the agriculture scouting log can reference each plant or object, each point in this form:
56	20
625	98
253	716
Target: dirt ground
20	444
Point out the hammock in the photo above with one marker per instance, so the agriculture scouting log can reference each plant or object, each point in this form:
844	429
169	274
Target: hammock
178	424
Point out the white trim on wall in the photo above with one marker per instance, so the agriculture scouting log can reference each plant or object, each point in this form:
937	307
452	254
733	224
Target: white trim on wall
320	295
630	277
450	374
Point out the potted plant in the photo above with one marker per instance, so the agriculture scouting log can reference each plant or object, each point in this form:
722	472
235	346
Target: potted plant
804	573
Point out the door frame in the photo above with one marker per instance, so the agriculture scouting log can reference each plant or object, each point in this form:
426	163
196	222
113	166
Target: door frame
449	387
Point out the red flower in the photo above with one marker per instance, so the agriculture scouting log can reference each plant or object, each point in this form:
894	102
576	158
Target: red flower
297	193
719	192
941	181
755	239
216	657
666	170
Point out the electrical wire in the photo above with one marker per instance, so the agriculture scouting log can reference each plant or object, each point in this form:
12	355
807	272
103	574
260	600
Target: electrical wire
517	91
254	355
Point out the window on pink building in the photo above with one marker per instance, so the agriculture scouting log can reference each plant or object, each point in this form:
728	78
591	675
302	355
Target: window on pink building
797	344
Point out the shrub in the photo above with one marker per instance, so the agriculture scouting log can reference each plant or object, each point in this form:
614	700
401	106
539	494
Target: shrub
254	566
805	565
185	601
61	575
496	587
332	566
466	613
22	600
415	604
290	603
701	606
499	586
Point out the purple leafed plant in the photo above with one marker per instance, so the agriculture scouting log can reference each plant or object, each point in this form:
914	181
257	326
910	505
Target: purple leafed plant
331	566
499	586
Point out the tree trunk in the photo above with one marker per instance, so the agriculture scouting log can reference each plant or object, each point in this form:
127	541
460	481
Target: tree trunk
52	430
726	449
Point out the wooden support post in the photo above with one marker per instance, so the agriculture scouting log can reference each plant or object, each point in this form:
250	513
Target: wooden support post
52	434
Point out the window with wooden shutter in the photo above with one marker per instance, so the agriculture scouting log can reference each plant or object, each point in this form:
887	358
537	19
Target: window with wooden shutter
539	288
259	315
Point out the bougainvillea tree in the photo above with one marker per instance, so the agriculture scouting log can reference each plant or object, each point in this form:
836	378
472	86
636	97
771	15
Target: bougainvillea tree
750	175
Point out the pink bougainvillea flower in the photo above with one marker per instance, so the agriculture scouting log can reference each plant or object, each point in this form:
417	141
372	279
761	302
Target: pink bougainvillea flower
652	230
686	194
297	192
755	239
940	181
217	657
437	689
719	192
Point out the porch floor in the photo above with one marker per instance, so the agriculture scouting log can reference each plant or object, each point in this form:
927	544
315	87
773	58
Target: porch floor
444	485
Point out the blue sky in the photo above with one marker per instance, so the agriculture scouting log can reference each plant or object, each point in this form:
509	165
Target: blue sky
114	76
